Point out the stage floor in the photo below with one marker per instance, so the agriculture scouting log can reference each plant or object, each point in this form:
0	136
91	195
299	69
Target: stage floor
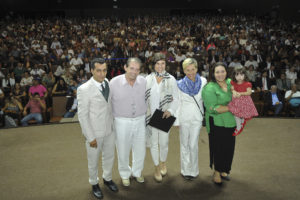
49	162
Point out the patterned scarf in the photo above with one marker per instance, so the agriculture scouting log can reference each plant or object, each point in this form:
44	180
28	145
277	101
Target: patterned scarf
189	87
164	73
165	95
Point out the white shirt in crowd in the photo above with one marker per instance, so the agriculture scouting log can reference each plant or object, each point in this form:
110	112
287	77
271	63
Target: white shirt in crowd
289	92
37	72
264	83
26	81
253	62
180	58
76	61
6	83
54	44
291	76
148	54
1	75
234	64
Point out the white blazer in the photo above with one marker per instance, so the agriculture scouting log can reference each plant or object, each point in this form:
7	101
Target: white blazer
188	111
94	112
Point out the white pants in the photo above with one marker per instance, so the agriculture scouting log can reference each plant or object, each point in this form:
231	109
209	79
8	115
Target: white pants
107	146
189	137
130	135
161	139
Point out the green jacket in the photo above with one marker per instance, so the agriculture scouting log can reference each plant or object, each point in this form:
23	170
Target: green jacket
213	96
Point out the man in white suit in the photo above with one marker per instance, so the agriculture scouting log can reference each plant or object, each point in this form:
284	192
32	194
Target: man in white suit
96	121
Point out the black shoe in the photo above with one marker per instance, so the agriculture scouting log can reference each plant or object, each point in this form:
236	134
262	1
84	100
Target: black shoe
188	178
111	185
226	178
97	191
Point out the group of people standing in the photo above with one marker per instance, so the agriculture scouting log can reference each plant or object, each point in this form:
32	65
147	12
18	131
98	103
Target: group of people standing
116	114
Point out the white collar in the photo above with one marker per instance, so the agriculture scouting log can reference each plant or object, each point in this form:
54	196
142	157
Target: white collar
98	84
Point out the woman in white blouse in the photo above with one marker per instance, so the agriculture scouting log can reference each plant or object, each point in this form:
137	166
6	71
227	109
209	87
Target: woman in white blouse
189	117
291	74
161	93
9	81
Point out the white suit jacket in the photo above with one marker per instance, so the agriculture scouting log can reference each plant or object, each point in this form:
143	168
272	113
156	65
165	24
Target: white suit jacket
94	112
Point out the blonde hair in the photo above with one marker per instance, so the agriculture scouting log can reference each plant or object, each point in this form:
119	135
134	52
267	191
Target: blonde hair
189	61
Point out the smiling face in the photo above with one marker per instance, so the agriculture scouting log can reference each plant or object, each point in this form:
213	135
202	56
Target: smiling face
99	72
160	66
191	71
220	73
132	70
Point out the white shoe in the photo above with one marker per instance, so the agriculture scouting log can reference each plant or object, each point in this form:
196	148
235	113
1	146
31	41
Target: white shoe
126	182
140	179
163	169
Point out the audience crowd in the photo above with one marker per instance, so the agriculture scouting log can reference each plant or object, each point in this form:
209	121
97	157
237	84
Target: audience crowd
43	58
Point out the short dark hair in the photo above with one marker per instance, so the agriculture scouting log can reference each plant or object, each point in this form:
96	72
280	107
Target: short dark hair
212	77
239	70
97	60
36	93
157	57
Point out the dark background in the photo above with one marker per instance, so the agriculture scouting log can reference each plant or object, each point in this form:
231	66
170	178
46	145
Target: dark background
281	8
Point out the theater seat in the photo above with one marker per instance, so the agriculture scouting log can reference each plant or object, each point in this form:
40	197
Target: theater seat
259	104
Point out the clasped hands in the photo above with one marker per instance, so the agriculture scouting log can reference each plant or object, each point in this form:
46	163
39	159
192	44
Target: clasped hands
236	94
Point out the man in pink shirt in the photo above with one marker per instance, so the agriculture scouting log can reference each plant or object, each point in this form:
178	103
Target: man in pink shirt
37	87
36	106
129	109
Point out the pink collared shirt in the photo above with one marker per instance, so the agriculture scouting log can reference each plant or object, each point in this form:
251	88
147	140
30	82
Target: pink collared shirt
39	89
128	101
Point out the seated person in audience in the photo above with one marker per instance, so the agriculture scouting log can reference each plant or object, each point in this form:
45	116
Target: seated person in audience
71	105
60	88
283	84
67	76
19	71
19	93
293	97
1	97
48	79
81	77
272	74
234	63
37	71
8	82
291	74
72	86
27	80
252	62
13	108
36	106
251	74
274	100
263	83
37	87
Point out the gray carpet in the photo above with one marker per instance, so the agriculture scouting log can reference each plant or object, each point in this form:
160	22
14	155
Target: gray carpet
49	162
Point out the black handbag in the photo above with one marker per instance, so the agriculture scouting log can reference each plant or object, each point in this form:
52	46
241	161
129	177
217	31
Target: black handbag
203	117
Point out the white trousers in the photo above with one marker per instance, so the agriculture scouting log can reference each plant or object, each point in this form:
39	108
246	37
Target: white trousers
107	146
159	145
189	137
130	135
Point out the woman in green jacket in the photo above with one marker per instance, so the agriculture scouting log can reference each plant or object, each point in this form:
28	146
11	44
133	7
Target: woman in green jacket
220	123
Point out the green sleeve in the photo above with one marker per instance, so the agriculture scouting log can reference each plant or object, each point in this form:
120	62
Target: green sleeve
210	99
